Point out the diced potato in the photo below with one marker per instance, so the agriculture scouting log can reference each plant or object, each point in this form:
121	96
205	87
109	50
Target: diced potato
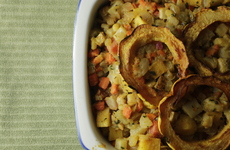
103	118
211	62
222	65
212	105
162	14
132	99
145	122
192	108
224	52
120	34
158	68
185	125
100	39
121	144
133	139
114	134
138	21
220	41
146	143
221	29
207	120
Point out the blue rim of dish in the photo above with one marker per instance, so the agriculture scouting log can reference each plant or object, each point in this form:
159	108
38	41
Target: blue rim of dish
77	122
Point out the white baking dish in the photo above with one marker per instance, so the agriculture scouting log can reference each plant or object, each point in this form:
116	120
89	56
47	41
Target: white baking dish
88	134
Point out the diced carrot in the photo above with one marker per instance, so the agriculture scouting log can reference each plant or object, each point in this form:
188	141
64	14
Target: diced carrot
161	53
127	111
154	131
142	3
153	7
93	79
140	106
114	88
104	83
93	53
96	60
170	57
127	26
100	105
152	117
212	51
129	32
109	58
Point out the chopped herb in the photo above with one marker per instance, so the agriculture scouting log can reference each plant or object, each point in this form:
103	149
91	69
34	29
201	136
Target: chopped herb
186	4
144	116
211	100
173	15
122	147
214	110
130	92
105	119
111	67
216	102
117	122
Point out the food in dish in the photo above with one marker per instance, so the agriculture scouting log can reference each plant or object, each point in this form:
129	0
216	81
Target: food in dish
119	80
207	42
196	115
151	60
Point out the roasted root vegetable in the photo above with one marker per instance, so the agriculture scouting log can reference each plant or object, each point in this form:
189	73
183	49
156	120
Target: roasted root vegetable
129	49
183	131
209	31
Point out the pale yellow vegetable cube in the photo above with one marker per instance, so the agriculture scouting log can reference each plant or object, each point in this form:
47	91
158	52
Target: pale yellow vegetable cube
121	144
147	143
103	118
114	133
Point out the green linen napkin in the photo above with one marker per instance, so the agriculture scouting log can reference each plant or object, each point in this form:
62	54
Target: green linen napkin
36	100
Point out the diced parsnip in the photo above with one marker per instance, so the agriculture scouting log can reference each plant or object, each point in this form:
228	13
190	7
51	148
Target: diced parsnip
158	68
192	108
222	65
133	139
132	98
114	133
121	117
212	105
145	122
138	21
143	67
138	130
224	52
211	62
111	101
146	143
100	39
162	14
185	125
221	29
220	41
121	144
120	34
103	118
207	120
